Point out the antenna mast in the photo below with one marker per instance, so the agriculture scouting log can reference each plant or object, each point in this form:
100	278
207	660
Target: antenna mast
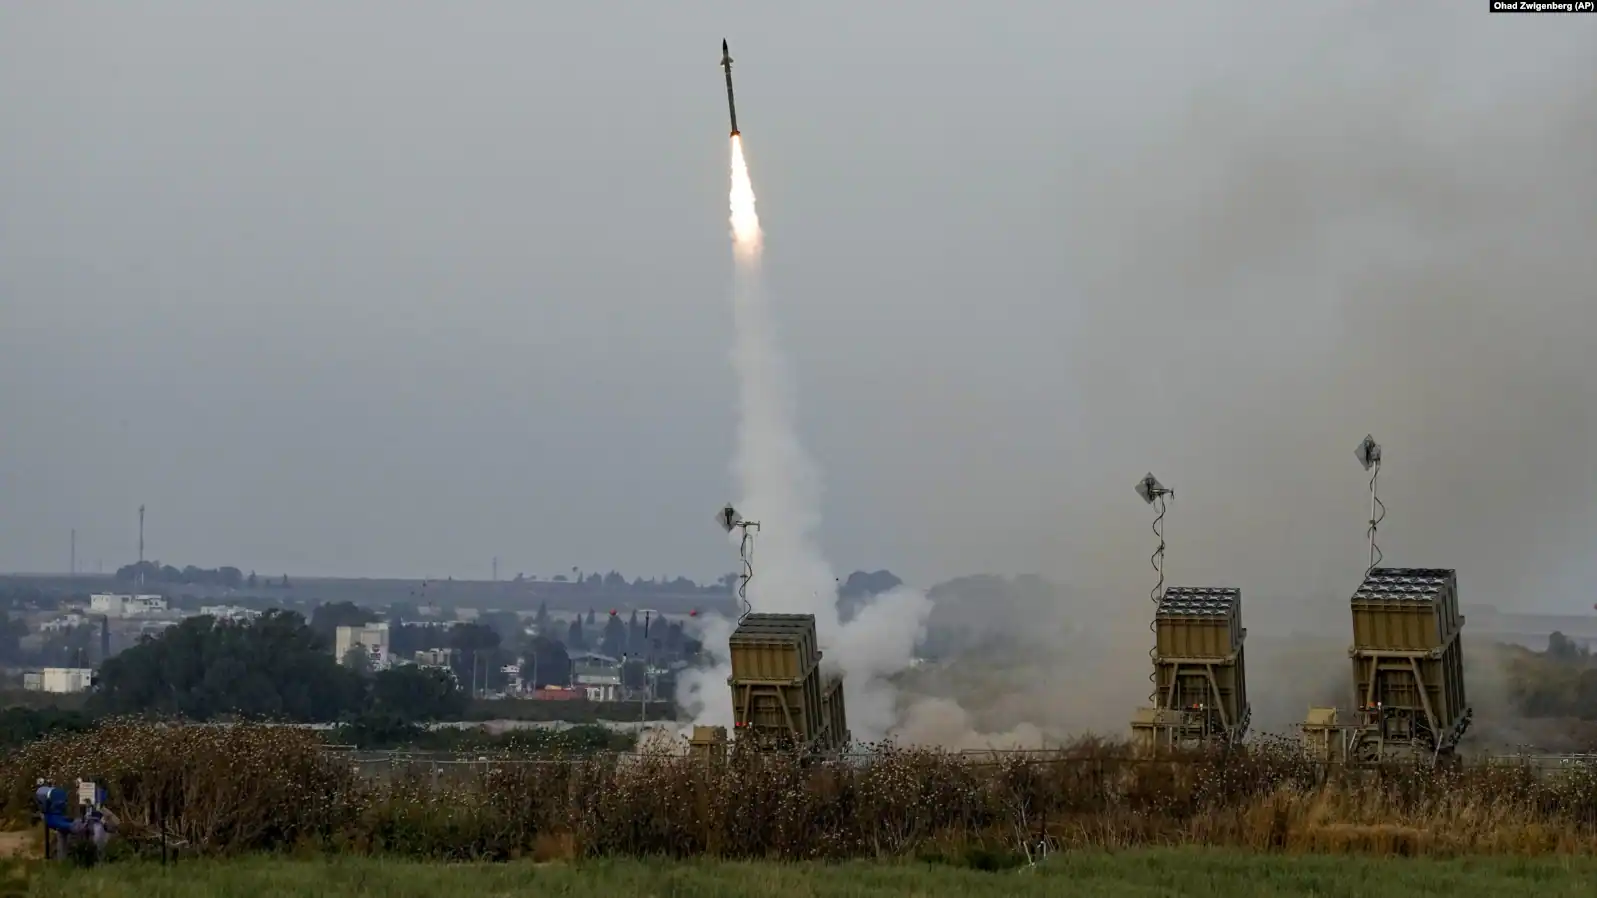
730	520
1369	455
141	547
1153	492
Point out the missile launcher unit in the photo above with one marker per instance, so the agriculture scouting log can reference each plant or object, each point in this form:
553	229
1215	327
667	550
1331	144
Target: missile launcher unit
778	695
1408	664
833	713
707	745
1198	664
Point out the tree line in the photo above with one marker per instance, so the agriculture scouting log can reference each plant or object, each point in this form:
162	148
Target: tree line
275	667
613	582
1560	681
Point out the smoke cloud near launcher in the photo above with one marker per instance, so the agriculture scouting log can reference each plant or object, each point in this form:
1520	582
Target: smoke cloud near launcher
779	486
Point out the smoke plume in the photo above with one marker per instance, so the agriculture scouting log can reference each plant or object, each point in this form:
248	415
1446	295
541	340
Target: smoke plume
779	488
1403	251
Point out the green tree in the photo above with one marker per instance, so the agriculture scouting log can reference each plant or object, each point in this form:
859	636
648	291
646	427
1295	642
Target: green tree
546	664
405	640
329	616
614	640
634	673
12	629
72	647
274	666
477	657
1562	648
414	693
357	659
506	623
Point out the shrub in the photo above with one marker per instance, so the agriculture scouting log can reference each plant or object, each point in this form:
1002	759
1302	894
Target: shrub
248	788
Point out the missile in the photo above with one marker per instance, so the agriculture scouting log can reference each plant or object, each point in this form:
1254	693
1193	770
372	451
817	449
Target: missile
731	107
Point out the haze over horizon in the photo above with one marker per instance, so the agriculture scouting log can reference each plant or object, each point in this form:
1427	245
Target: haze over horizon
389	290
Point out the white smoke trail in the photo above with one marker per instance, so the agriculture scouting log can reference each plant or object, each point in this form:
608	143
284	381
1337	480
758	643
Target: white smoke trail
779	488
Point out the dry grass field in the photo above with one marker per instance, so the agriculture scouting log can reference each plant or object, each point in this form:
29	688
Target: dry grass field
252	789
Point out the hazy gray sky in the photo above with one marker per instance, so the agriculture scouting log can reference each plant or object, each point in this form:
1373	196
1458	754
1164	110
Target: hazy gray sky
362	288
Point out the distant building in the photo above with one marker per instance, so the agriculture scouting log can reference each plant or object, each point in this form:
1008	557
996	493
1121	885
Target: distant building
59	680
593	658
598	675
436	658
154	627
126	606
373	638
432	623
606	692
229	612
65	622
512	674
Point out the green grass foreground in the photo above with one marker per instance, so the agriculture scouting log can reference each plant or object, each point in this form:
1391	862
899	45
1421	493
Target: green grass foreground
1144	874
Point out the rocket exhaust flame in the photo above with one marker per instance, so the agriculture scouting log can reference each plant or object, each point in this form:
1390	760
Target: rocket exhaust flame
745	221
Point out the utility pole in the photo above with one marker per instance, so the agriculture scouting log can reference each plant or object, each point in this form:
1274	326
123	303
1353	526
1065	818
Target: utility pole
72	563
141	548
648	662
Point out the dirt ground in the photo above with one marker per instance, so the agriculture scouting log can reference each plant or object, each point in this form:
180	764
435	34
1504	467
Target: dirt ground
19	844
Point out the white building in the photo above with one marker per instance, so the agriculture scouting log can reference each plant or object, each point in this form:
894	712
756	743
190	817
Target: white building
436	657
512	675
153	627
436	624
229	612
598	675
59	680
372	637
126	606
65	622
608	692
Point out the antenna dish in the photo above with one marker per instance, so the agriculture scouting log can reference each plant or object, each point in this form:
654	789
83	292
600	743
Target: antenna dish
1149	488
1369	452
728	518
